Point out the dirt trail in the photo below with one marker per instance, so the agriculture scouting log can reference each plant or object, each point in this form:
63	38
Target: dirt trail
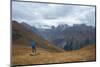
21	55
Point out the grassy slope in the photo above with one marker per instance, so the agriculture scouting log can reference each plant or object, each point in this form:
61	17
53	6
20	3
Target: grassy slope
46	52
21	55
27	34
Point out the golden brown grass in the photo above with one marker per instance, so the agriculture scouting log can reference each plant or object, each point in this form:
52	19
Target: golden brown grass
21	55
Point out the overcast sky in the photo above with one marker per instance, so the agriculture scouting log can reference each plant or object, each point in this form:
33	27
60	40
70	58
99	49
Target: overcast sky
36	14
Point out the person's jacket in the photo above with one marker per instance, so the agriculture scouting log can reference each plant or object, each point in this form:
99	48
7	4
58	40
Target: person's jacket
33	44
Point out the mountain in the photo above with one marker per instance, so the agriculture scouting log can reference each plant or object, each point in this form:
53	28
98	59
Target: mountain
23	35
32	28
69	37
26	25
79	36
64	36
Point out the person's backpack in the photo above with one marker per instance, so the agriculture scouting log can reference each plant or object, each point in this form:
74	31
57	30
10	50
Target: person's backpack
33	44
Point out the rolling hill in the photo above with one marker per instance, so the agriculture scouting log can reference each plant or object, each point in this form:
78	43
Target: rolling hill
24	36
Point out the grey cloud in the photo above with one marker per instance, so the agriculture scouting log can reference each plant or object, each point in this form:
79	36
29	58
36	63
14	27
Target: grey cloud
41	13
56	12
89	18
25	11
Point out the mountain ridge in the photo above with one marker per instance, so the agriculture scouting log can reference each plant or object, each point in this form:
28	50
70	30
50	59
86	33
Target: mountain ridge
64	36
24	36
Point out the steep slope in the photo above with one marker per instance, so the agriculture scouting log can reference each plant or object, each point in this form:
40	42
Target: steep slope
32	28
23	36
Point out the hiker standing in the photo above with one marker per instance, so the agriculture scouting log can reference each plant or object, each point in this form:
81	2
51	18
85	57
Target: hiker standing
33	47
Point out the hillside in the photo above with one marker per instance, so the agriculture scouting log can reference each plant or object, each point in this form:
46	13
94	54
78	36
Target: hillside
46	52
24	36
20	55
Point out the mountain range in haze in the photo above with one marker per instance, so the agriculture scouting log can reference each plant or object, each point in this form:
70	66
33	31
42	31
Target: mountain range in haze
63	36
